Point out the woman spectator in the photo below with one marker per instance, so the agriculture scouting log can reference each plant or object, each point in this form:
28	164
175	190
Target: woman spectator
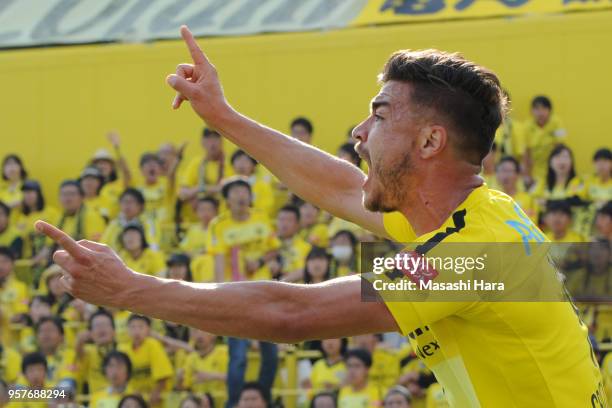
92	181
136	252
132	401
317	267
13	176
561	182
343	246
329	372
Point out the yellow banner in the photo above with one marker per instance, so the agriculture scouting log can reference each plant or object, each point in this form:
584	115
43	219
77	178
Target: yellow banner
394	11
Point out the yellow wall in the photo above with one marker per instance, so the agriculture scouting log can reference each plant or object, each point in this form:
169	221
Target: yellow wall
58	103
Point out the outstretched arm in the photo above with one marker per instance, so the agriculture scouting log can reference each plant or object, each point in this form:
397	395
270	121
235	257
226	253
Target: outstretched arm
312	174
264	310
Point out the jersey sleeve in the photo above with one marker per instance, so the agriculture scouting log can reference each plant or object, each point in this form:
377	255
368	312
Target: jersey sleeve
160	363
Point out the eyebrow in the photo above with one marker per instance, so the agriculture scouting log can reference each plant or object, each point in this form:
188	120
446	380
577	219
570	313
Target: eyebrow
378	104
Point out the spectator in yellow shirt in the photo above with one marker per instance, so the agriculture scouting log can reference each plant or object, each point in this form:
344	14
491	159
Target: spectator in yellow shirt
34	373
385	369
151	367
194	242
10	364
397	397
329	372
157	189
301	128
9	235
358	392
131	210
263	195
92	181
90	356
13	293
253	395
61	360
132	401
324	400
136	252
312	230
34	208
13	175
343	247
77	220
561	181
603	222
508	173
558	220
599	185
542	133
294	249
205	369
117	369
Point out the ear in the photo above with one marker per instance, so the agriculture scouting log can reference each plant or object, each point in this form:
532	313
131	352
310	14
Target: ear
432	141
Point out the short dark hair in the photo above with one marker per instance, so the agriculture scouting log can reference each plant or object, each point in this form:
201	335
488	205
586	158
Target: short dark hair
208	132
322	395
119	356
72	183
541	100
135	226
209	199
5	209
135	316
292	209
55	320
101	312
46	299
149	156
255	386
133	397
33	185
303	122
602	154
562	206
361	354
606	209
349	148
467	94
135	193
510	159
33	359
239	153
233	182
7	252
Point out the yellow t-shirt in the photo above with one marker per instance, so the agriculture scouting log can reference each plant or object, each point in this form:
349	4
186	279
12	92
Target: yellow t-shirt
159	199
263	195
11	195
33	241
574	187
435	397
541	350
61	366
99	205
13	297
10	365
325	376
598	191
151	227
368	397
200	172
90	366
541	141
317	234
203	268
149	262
385	369
194	241
107	398
150	363
214	362
240	241
293	252
85	224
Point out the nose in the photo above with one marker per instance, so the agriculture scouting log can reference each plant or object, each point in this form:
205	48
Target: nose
361	131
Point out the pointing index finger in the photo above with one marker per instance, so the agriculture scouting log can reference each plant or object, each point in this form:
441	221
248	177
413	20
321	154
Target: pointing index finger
63	239
194	49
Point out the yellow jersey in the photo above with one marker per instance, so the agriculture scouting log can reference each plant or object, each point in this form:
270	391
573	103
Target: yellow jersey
293	252
90	366
240	241
151	227
194	241
85	224
325	376
13	297
11	194
10	364
107	397
203	268
385	369
598	191
33	241
367	397
498	354
316	234
159	199
150	363
149	262
541	141
215	361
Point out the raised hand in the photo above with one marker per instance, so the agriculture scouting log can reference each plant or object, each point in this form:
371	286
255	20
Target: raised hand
199	84
113	138
93	271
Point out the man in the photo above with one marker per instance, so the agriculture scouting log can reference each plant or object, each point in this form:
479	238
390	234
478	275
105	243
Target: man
507	174
294	249
61	360
13	295
253	395
301	129
78	220
359	390
91	356
431	125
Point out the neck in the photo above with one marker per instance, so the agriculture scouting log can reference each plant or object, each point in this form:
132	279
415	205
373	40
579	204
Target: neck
135	253
437	193
333	359
118	388
559	234
240	214
510	189
561	179
360	385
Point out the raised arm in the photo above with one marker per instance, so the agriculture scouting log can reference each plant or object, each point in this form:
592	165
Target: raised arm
314	175
264	310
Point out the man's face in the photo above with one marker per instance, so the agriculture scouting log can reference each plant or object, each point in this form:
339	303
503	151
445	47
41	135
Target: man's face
49	337
90	185
287	224
324	401
251	399
541	114
301	133
603	167
116	372
138	330
331	346
151	170
102	331
386	141
202	339
243	166
212	145
70	198
356	371
238	198
130	207
35	374
557	221
507	175
6	266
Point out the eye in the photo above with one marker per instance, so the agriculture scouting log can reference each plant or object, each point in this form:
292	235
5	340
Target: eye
377	118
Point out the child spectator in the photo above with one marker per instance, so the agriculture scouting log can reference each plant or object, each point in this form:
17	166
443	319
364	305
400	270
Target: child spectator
136	252
61	360
599	185
34	370
253	395
385	368
318	266
92	181
603	222
263	196
194	242
397	397
157	189
358	392
558	220
508	173
205	369
323	400
101	333
329	372
294	249
302	129
132	401
117	369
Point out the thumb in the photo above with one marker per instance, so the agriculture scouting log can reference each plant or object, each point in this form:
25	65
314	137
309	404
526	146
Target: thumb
181	85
